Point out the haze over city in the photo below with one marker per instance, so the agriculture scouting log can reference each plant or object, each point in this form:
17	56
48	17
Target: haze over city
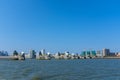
59	25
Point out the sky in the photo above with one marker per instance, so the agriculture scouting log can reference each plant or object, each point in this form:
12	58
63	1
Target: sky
59	25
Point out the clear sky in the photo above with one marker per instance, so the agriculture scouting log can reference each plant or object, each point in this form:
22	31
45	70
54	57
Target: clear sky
59	25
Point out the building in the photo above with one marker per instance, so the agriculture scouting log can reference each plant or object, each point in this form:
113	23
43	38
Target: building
3	53
112	54
43	52
32	54
118	54
98	54
105	52
88	54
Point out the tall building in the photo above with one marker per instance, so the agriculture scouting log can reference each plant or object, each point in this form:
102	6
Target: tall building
105	52
43	51
32	54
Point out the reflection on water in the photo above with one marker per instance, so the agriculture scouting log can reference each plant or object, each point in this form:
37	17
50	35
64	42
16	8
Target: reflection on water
89	69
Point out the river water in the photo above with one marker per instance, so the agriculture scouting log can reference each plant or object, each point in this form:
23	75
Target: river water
89	69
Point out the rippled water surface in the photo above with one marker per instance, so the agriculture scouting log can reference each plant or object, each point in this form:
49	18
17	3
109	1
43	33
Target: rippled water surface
89	69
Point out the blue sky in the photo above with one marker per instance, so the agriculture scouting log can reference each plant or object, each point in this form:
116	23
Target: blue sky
59	25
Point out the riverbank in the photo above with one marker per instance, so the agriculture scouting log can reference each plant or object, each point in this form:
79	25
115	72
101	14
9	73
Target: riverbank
113	57
107	57
5	57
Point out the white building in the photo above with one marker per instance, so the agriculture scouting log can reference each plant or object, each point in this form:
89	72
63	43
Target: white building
43	51
98	54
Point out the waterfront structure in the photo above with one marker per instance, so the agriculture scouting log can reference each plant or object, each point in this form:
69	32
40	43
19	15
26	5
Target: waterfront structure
15	55
66	55
44	56
27	55
57	55
22	56
18	56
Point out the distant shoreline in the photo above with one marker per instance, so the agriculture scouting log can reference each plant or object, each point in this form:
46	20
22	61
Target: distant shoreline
11	57
111	57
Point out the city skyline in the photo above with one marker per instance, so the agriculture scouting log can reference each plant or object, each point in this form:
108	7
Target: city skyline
69	25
